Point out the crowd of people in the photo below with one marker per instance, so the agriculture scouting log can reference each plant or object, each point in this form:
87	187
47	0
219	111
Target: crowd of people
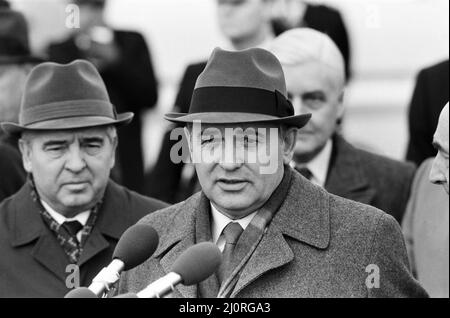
72	178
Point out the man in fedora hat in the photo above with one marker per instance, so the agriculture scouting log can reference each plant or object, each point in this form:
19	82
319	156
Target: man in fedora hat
281	236
315	80
61	228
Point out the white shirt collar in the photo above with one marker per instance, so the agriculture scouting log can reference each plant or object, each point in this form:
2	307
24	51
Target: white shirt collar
319	164
220	221
60	219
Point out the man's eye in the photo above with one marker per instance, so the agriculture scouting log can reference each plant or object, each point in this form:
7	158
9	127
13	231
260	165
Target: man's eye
54	149
207	140
94	145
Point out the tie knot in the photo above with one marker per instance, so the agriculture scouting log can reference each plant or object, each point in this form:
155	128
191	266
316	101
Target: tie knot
73	227
232	232
304	171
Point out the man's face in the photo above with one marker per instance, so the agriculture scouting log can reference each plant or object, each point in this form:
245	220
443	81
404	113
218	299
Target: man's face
70	168
242	19
439	171
239	185
312	90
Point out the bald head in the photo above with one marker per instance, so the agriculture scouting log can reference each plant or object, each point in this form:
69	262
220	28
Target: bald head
440	171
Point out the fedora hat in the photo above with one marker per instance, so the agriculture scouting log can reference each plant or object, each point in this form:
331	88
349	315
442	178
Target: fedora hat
246	86
65	96
14	44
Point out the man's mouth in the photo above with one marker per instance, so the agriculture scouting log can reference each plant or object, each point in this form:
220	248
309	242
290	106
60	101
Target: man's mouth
232	184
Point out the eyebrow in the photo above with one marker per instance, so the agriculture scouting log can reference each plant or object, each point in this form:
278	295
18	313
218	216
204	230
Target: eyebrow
92	139
55	143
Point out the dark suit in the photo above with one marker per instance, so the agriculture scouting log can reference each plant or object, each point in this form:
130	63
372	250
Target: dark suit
132	87
32	262
429	97
368	178
317	245
326	20
12	174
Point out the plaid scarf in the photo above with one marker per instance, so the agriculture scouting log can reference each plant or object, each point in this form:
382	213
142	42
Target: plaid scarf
71	246
250	238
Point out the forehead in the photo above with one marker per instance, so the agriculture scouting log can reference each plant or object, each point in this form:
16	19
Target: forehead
97	132
311	76
245	127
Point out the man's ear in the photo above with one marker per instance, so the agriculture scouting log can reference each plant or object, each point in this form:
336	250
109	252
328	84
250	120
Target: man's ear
114	145
25	150
341	109
189	140
289	141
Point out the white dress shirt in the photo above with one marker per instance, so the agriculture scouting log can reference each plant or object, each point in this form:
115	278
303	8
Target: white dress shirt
220	221
319	165
60	219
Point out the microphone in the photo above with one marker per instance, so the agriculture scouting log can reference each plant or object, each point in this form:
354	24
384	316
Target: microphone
194	265
135	246
80	292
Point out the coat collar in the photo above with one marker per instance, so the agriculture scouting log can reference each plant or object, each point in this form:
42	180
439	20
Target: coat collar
347	177
27	226
306	220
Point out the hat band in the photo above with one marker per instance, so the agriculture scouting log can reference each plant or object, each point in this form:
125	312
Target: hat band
240	100
58	110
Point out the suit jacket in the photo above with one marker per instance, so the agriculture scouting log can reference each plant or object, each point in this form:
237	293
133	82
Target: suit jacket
132	86
368	178
12	174
429	97
32	262
317	245
426	230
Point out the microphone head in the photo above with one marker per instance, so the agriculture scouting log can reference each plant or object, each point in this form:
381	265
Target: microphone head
136	245
197	263
81	292
127	295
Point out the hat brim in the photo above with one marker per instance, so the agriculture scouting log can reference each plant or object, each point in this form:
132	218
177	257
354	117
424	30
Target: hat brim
237	118
69	123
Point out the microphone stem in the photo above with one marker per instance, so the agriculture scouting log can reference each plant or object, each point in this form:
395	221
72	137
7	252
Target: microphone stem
161	287
107	277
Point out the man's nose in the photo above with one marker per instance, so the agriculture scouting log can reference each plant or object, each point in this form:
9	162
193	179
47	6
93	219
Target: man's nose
75	161
436	175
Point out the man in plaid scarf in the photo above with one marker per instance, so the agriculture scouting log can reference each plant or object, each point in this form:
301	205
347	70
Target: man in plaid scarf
61	228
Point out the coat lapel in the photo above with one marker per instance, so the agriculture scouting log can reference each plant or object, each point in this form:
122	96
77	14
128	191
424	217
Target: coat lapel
346	176
28	228
305	220
112	221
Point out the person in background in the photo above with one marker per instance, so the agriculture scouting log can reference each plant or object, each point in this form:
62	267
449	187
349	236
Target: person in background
315	78
16	61
289	14
245	23
12	174
426	223
124	62
430	94
60	229
280	235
